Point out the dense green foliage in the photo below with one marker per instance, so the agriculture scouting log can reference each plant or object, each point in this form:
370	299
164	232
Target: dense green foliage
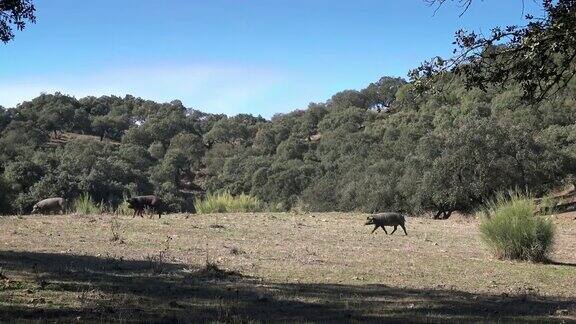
512	231
14	14
539	56
386	147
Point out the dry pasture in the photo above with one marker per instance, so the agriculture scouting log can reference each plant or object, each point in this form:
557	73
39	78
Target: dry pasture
266	267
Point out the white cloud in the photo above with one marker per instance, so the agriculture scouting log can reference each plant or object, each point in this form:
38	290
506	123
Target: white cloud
212	88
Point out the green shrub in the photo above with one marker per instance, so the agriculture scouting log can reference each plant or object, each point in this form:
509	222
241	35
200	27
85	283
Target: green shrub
124	209
512	231
85	205
277	207
547	205
226	203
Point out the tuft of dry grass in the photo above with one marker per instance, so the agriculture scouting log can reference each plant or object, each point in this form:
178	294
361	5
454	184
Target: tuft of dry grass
85	205
115	230
224	202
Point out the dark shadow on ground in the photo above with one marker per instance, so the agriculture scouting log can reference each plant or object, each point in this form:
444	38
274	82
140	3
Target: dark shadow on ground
565	264
108	289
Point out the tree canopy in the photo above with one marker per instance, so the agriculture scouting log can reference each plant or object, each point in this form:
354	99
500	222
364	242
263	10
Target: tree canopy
540	56
386	147
15	14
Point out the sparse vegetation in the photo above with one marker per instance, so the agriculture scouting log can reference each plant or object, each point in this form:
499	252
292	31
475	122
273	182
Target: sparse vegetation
236	251
115	230
224	202
313	269
157	261
512	231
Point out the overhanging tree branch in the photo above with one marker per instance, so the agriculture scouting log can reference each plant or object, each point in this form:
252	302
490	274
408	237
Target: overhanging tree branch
539	56
15	14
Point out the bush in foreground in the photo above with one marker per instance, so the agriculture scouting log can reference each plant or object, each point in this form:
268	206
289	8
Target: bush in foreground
512	231
226	203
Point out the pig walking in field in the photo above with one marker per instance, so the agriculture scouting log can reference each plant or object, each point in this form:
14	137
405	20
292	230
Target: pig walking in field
386	219
49	205
140	202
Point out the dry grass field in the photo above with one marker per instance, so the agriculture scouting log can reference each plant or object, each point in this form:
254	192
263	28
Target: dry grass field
273	267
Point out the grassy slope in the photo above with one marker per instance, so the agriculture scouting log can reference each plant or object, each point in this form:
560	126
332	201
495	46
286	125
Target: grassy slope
314	267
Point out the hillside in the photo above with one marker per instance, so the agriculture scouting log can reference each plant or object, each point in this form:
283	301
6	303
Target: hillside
428	151
273	267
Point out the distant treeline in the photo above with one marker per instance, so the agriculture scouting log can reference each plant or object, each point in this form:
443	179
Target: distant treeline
386	147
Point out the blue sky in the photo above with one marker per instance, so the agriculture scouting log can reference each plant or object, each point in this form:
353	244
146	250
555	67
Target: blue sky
232	56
